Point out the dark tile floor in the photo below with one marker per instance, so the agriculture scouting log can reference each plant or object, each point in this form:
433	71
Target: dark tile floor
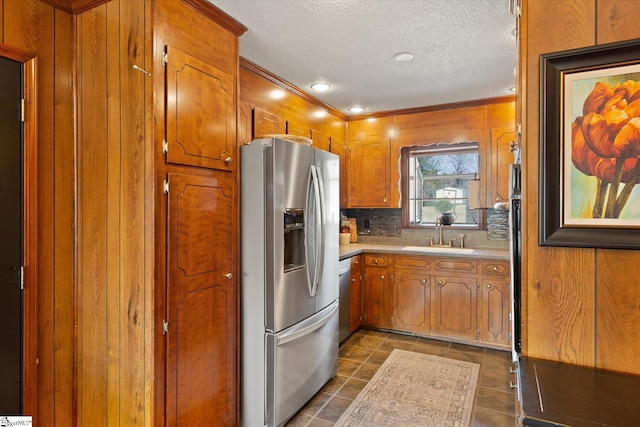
362	354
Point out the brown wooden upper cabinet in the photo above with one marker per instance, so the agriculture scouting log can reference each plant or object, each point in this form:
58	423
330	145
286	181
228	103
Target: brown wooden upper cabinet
501	158
298	129
267	123
320	140
339	147
200	113
369	163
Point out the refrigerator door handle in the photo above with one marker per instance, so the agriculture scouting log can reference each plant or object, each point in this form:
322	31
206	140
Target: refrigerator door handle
294	335
321	217
313	239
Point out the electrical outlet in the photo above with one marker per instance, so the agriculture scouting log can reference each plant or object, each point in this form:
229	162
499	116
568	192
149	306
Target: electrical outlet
367	223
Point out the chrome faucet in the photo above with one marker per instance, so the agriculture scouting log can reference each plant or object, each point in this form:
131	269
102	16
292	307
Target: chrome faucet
441	242
439	225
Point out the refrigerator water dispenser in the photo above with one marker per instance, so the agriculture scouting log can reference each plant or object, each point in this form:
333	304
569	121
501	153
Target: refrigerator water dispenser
293	239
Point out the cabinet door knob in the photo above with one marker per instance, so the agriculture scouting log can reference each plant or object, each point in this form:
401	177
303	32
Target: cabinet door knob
227	160
439	282
228	275
375	261
495	268
382	277
488	286
424	280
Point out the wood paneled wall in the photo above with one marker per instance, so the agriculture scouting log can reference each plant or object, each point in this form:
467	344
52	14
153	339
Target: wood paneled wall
581	306
47	33
115	216
462	124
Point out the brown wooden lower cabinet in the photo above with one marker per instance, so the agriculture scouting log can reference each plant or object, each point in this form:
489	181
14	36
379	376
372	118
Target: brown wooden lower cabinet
201	329
411	302
494	325
376	297
375	291
460	298
356	293
455	308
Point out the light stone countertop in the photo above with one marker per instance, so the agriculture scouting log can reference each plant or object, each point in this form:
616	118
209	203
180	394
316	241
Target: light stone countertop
352	249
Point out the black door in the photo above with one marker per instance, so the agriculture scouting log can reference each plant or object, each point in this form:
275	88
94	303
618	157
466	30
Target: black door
10	237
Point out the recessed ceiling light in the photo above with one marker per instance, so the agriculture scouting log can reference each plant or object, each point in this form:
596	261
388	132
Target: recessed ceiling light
356	109
320	87
403	56
277	94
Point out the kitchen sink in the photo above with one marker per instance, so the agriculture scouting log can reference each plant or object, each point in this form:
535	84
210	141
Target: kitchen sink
441	250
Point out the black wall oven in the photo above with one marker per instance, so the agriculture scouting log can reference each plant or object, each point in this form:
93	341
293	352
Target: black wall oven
515	255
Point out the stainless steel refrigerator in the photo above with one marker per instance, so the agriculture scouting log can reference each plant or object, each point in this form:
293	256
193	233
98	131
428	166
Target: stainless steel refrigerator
289	296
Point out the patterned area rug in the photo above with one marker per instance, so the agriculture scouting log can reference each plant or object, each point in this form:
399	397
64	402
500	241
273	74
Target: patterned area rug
414	389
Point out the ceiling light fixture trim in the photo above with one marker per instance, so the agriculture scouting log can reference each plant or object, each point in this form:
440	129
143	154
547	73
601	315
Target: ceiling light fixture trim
320	86
403	56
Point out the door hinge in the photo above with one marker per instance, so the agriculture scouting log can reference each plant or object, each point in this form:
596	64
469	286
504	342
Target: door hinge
165	58
22	110
365	316
165	146
165	186
165	327
21	277
478	332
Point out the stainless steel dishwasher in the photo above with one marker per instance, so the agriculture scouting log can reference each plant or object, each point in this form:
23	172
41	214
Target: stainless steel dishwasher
344	279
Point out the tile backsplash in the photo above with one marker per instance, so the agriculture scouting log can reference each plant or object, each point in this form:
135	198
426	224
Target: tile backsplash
377	222
385	226
498	224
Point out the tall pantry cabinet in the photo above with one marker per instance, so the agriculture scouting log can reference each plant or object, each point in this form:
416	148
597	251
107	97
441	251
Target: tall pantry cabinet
158	213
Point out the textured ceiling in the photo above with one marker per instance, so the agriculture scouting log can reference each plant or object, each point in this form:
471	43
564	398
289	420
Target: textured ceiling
463	49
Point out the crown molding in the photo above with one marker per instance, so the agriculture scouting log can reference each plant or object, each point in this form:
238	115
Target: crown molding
218	16
207	9
256	69
74	7
439	107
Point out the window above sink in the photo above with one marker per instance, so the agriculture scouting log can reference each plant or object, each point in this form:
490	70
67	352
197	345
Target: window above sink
435	180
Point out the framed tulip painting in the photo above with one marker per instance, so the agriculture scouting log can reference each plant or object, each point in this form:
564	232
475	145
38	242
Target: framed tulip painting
590	147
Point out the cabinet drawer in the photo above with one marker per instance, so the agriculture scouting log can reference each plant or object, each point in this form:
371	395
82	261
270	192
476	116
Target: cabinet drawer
495	267
376	260
355	261
421	262
456	265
